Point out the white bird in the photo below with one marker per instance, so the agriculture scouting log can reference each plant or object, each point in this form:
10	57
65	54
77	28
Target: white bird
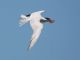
36	21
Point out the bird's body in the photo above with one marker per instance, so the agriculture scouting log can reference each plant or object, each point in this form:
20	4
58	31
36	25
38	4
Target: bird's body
36	27
36	24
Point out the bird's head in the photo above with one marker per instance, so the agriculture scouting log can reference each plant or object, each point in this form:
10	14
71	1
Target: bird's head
50	20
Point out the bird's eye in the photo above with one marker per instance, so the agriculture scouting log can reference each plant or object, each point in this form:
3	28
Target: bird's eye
47	18
28	15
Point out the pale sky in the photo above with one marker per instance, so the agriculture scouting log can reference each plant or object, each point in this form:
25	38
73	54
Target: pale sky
59	41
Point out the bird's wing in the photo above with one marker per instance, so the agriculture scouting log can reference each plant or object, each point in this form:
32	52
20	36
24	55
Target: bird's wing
34	38
39	12
37	15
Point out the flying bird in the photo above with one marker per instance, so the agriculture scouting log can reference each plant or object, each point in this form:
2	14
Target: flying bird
36	21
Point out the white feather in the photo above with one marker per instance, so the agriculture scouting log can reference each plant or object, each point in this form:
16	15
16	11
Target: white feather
35	24
23	20
34	38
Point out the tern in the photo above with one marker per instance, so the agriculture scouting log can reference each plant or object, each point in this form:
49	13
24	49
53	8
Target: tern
36	21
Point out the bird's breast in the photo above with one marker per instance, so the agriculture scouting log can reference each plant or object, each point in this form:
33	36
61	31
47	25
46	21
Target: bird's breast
36	25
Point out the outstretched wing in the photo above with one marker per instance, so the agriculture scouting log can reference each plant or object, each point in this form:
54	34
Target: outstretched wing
34	38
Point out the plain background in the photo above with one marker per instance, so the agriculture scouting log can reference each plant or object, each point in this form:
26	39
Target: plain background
59	41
